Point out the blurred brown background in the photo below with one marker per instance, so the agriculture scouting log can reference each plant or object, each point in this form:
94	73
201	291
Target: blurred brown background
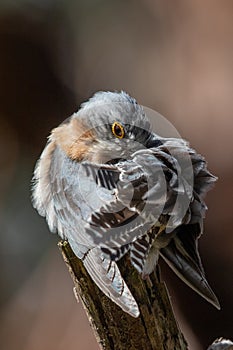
173	56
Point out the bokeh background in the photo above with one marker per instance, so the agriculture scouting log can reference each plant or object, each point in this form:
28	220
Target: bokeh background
173	56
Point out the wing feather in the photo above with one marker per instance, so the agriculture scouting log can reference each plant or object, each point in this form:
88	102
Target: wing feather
106	275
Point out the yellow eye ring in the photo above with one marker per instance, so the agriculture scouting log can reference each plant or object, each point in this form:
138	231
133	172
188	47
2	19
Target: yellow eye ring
118	130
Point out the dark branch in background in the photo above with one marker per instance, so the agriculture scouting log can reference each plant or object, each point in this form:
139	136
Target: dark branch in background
155	328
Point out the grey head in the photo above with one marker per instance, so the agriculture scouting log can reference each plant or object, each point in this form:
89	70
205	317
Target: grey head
118	123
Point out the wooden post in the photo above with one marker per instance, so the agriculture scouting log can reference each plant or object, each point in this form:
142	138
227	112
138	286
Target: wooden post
156	327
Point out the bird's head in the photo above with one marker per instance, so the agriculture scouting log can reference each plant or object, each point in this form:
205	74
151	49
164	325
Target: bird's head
109	126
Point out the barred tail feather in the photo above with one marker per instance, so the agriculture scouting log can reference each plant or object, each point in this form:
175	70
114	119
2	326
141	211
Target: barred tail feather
185	261
106	275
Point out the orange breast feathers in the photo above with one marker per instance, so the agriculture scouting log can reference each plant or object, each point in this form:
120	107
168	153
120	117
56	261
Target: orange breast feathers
75	139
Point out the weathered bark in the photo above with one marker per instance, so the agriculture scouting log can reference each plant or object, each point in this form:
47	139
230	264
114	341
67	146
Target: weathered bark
156	327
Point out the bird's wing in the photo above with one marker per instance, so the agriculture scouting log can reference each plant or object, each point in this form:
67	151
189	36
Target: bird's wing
139	198
105	273
194	181
181	254
188	181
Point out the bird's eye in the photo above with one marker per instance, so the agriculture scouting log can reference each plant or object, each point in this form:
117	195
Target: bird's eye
118	130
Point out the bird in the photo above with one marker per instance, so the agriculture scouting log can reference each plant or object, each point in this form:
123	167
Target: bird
221	344
110	185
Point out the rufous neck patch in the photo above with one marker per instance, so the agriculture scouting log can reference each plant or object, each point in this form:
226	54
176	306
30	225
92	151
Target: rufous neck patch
74	138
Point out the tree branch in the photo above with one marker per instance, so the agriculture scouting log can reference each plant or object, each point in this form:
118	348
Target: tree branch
156	327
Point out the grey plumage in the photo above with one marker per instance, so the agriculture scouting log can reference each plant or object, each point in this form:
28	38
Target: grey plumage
141	194
221	344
